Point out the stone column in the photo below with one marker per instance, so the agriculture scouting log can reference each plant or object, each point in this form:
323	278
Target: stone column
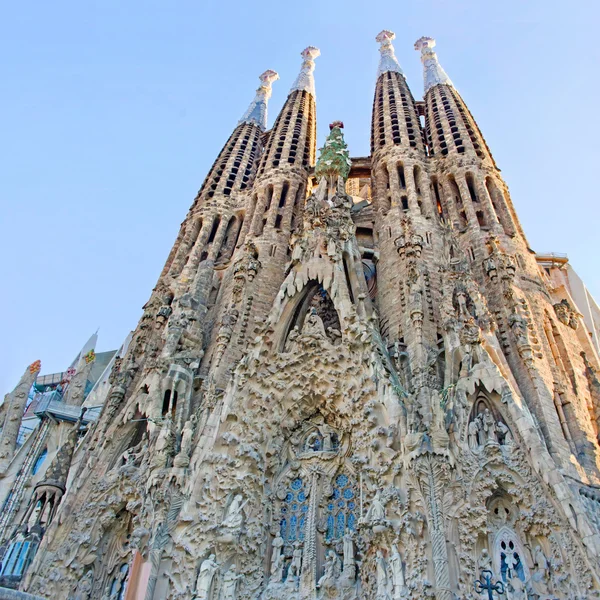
257	217
411	190
196	253
290	206
395	189
450	203
463	188
189	239
15	407
488	207
274	208
219	237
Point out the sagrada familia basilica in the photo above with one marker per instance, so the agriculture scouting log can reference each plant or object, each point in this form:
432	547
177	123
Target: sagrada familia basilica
353	380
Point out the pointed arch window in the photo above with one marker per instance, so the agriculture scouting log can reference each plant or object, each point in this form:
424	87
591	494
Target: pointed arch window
341	508
294	512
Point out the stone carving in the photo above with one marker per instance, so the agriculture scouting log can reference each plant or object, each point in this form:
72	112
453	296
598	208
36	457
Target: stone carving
183	458
397	572
382	577
234	517
566	314
276	560
230	582
332	572
296	564
204	581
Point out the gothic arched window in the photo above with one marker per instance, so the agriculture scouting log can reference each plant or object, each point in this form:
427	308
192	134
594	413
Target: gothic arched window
509	556
341	508
293	512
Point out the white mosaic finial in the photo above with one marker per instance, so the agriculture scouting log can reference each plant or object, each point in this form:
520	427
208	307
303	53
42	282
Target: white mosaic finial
305	80
433	73
257	111
388	60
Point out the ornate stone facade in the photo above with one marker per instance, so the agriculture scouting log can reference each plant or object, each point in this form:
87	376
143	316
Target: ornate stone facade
331	396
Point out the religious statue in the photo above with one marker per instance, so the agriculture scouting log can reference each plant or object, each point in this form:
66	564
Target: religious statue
382	577
205	577
84	587
485	562
183	458
489	427
504	431
234	515
296	563
276	560
541	575
473	433
348	550
230	580
376	512
332	570
398	581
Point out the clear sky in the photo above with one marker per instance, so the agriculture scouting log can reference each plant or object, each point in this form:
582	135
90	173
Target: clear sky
113	111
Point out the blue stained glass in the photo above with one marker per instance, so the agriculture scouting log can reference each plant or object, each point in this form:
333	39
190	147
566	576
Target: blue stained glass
293	525
329	533
351	522
301	528
340	507
340	525
292	509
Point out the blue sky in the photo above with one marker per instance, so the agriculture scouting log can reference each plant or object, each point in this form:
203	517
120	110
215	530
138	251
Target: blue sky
112	113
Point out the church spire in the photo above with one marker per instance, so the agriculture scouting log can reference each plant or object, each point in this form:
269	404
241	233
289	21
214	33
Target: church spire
388	60
305	80
433	73
257	111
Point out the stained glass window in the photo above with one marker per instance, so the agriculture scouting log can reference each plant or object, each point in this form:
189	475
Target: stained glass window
294	512
341	508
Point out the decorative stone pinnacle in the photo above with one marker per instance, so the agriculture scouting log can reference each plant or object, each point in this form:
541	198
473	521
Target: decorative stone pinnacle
388	60
257	111
433	74
334	160
305	80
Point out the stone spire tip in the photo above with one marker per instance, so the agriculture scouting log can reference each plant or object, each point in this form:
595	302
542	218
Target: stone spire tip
305	80
388	60
433	73
257	111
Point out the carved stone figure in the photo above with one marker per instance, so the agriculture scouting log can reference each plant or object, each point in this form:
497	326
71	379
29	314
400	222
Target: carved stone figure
183	458
376	512
208	569
296	563
382	577
234	517
489	427
398	582
230	582
332	571
485	561
348	550
276	560
84	587
474	427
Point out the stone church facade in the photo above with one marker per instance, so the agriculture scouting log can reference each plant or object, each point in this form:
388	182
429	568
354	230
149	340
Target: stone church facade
352	380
